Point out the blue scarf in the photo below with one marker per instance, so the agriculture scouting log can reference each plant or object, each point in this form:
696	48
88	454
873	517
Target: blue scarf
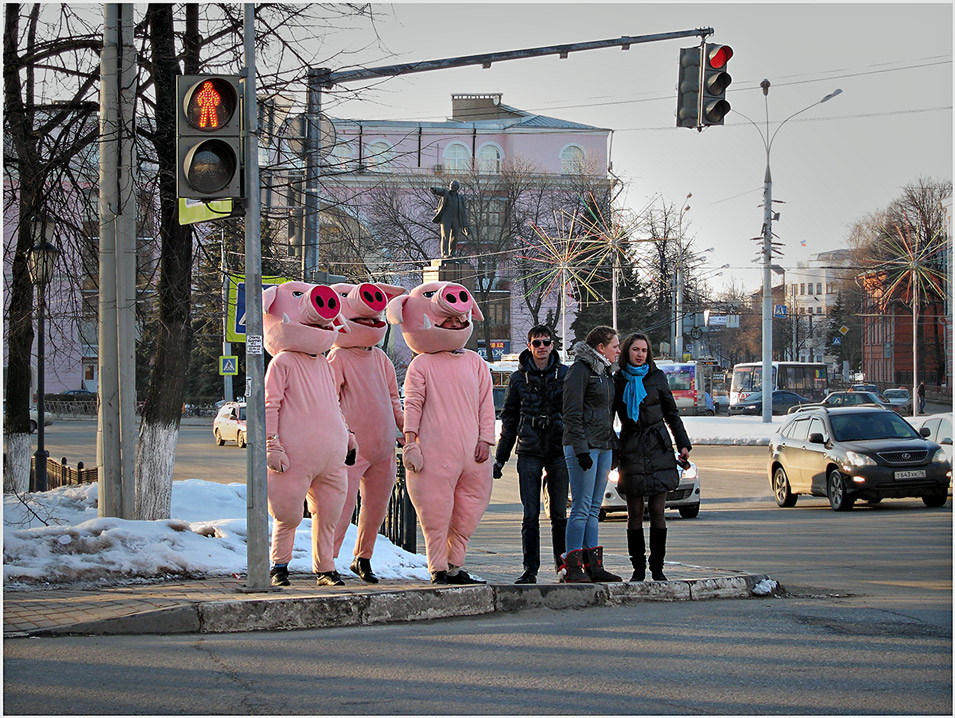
633	392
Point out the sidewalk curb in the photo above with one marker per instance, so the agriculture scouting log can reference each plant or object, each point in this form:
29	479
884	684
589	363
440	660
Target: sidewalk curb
279	614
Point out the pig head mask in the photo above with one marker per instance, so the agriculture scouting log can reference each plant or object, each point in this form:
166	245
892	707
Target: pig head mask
435	317
363	312
300	317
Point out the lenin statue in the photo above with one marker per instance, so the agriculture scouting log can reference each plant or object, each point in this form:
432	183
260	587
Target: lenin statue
452	215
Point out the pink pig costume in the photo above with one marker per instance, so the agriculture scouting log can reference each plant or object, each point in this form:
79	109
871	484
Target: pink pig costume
306	436
449	422
368	393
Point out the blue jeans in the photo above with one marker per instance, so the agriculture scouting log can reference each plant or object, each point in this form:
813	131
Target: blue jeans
530	470
587	488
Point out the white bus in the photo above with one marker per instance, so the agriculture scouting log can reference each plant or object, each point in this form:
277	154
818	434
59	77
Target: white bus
808	379
689	383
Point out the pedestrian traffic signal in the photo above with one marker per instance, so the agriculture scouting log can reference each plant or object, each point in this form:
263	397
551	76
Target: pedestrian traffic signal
715	81
208	137
688	88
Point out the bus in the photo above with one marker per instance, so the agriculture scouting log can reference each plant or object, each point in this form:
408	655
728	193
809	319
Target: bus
809	379
689	383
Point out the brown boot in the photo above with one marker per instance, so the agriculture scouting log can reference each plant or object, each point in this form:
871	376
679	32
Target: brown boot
594	560
575	568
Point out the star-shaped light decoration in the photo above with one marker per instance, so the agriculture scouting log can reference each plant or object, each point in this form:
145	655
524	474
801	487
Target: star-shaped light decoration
912	273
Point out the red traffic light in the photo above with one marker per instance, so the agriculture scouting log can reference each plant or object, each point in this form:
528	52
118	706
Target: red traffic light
719	55
210	104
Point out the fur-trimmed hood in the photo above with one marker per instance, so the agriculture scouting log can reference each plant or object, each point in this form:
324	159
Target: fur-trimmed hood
597	362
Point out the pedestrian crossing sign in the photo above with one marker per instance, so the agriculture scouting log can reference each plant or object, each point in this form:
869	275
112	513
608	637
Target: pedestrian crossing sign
228	366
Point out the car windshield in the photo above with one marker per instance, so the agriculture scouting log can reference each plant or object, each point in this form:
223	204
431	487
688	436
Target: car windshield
871	427
896	394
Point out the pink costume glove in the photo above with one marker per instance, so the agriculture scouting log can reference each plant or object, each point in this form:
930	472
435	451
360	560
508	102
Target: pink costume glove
413	458
275	456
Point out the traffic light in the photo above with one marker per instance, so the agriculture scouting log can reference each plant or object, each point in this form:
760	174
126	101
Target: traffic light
688	88
715	82
208	137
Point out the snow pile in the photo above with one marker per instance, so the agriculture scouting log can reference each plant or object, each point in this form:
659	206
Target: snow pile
57	538
766	587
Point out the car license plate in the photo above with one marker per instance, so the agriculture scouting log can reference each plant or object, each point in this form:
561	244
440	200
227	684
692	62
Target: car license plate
914	474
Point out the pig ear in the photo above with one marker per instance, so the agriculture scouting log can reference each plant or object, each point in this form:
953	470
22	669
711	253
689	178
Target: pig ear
390	290
476	312
268	296
395	310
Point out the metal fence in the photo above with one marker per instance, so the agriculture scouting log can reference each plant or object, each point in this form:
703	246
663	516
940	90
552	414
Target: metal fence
59	473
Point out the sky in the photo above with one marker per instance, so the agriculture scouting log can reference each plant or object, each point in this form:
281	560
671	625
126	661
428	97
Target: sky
831	165
206	532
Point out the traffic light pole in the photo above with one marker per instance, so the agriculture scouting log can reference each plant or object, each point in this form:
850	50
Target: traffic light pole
257	522
319	78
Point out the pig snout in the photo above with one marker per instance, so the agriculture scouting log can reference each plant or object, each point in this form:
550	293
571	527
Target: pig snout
453	299
320	305
367	300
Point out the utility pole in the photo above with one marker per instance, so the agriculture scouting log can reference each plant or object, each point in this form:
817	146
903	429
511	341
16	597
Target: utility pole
227	394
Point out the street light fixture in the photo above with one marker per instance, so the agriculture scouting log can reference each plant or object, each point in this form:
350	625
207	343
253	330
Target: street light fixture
42	261
768	246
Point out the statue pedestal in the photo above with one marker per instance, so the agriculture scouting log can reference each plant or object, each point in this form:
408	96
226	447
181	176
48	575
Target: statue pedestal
460	272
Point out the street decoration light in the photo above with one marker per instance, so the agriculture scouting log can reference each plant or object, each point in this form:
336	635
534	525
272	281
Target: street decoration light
42	261
767	252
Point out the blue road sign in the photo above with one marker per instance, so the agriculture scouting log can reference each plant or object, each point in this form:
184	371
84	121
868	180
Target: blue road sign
779	311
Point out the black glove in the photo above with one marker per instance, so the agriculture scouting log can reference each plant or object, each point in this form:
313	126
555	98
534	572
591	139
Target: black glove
497	470
585	461
350	457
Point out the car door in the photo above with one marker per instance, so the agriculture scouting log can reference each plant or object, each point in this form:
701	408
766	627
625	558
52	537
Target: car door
792	454
815	458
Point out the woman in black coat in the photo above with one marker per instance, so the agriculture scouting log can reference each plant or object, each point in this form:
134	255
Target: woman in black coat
647	465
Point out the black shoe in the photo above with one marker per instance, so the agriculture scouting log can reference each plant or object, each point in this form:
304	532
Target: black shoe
278	576
463	578
362	568
657	574
639	573
439	578
329	578
527	577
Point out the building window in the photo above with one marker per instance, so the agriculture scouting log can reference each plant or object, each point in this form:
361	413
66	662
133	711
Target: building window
830	288
818	287
572	160
339	159
809	287
818	310
457	158
489	159
379	157
802	289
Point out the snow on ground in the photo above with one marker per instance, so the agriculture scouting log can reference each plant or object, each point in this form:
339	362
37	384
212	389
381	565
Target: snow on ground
57	537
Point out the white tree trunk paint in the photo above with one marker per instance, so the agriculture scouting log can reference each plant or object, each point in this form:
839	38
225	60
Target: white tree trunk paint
155	457
16	475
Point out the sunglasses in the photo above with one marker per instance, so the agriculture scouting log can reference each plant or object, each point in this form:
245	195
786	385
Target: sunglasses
541	342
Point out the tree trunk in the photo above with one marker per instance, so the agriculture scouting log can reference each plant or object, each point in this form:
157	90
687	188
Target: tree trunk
155	453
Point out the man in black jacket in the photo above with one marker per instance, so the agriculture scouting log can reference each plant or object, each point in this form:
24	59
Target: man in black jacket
532	416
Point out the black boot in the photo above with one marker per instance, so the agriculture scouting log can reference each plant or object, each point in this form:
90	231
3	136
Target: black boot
329	578
637	546
439	578
575	568
658	548
361	567
278	576
594	560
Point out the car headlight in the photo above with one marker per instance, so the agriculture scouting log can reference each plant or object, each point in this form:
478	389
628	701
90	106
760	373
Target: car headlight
854	459
613	476
689	473
939	457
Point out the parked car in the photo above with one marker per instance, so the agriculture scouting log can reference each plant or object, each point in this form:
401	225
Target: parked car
846	398
229	424
685	497
940	431
900	399
850	453
34	420
865	387
783	401
79	394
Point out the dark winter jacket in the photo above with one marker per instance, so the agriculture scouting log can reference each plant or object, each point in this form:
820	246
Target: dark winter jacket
588	402
533	407
647	464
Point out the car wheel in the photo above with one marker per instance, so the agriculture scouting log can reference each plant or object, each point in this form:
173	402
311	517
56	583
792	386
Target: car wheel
690	512
32	426
601	515
240	439
219	440
785	498
838	499
933	501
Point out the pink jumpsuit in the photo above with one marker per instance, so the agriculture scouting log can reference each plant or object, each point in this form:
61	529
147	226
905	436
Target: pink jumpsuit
301	407
449	404
368	392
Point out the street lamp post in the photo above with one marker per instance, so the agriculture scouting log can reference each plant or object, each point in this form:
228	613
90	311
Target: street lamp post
43	256
767	384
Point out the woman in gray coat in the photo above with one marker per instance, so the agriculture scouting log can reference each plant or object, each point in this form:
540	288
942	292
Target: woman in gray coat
647	465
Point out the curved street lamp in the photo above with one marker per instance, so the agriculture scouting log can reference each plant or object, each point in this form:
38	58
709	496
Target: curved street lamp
768	246
42	260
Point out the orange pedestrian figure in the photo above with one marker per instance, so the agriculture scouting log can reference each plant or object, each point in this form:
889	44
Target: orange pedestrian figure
208	100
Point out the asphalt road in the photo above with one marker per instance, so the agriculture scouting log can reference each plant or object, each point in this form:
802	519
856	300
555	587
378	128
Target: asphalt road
866	628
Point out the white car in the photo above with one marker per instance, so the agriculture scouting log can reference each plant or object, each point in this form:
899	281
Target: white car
940	431
35	418
229	424
900	399
685	497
